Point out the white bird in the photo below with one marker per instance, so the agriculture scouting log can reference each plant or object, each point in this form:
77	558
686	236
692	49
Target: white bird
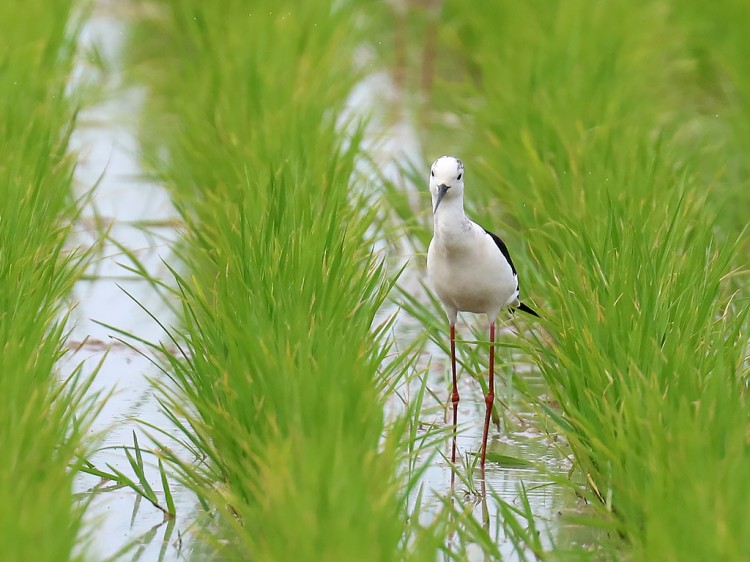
470	269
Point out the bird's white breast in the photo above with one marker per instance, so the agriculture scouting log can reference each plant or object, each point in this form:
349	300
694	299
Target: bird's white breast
468	270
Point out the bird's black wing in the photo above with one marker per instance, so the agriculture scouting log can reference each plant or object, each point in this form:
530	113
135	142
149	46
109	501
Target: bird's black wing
528	310
504	249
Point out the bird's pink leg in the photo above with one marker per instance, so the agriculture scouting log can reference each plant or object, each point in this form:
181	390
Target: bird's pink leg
490	398
454	393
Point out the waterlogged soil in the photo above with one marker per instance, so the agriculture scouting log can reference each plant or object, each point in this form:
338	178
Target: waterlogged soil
111	296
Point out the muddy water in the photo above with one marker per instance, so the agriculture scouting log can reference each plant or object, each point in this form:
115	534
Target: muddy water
123	201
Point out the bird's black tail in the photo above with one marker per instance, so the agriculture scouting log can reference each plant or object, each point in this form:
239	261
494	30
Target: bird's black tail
527	310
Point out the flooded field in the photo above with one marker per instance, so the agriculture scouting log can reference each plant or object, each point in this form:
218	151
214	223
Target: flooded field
255	367
137	216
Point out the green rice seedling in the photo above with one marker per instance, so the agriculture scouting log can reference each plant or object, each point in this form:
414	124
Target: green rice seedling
43	420
140	485
278	374
572	119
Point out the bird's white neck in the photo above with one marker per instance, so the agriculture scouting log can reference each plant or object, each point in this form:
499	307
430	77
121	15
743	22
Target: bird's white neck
451	223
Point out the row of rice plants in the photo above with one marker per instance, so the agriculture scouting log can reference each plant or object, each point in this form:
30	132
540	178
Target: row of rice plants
589	128
43	422
283	380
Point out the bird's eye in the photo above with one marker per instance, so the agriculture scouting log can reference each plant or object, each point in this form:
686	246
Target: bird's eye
432	173
460	176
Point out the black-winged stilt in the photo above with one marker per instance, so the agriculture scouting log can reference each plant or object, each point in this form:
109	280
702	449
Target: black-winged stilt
470	269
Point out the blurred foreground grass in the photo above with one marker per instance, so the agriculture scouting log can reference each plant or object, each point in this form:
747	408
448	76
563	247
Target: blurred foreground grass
42	424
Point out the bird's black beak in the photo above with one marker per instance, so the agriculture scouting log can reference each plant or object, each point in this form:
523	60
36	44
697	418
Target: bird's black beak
442	190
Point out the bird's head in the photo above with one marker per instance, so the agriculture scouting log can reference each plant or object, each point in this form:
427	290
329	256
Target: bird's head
446	180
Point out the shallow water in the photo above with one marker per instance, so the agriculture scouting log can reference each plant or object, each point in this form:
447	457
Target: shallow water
518	435
123	199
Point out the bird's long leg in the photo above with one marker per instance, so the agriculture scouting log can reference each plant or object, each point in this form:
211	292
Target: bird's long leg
489	399
454	393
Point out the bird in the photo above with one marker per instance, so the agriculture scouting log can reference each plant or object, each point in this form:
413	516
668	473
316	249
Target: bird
470	269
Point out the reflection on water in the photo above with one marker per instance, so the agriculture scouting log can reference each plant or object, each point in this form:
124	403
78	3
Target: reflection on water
532	456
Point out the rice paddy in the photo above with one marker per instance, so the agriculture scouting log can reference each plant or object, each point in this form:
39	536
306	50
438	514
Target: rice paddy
266	372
